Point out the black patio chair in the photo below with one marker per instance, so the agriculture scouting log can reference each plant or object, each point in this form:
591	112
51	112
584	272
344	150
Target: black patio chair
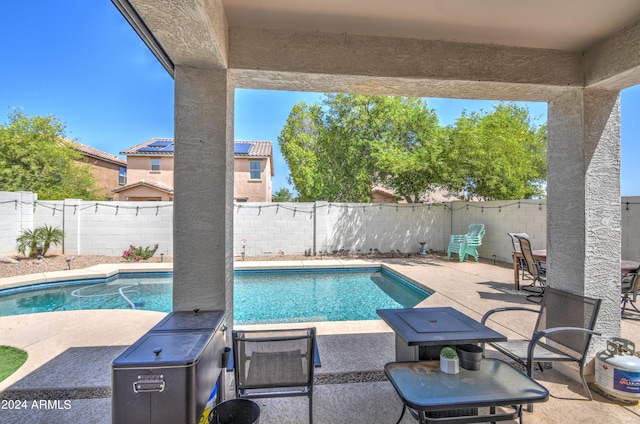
275	363
522	262
537	269
562	332
629	291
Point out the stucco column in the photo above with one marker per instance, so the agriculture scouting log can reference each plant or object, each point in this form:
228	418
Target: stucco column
203	181
583	218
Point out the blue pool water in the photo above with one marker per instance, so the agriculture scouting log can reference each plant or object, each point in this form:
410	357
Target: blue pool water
259	296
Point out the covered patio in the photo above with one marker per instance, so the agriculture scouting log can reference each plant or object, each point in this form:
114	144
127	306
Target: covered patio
576	56
70	360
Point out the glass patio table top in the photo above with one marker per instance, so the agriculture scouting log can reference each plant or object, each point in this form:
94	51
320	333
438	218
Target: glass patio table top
423	387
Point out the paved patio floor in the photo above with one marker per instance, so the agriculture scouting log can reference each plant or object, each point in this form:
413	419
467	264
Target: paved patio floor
70	355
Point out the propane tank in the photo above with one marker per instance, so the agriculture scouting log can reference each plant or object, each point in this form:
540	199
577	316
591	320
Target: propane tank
618	370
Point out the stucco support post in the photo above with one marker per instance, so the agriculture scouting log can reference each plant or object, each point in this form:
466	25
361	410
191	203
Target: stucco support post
583	217
203	181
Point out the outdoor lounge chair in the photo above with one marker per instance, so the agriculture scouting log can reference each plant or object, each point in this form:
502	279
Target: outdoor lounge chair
629	291
562	332
275	363
466	244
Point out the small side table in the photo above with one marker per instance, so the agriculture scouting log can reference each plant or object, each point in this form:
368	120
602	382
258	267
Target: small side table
437	396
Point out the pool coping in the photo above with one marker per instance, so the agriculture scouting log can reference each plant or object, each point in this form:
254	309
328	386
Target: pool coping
108	270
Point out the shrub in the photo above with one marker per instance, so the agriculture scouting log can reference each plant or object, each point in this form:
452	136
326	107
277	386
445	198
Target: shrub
41	237
138	253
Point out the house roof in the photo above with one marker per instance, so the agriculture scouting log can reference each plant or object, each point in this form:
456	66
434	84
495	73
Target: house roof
153	147
144	183
165	147
97	154
253	148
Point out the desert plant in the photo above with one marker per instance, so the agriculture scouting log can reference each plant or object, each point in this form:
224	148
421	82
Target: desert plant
27	243
40	237
134	253
49	235
448	353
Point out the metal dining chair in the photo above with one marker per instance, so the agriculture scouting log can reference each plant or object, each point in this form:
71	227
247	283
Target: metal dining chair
538	271
275	363
629	291
522	262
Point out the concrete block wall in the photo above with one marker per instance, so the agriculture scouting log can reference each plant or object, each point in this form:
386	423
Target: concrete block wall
108	228
51	213
16	214
386	227
271	228
500	218
630	223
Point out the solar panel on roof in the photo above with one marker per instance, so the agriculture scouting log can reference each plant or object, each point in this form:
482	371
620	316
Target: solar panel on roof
241	148
149	149
169	149
160	143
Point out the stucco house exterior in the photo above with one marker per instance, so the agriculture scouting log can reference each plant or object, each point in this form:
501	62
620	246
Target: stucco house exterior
110	171
150	173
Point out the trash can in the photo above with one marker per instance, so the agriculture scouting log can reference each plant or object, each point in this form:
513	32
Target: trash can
235	411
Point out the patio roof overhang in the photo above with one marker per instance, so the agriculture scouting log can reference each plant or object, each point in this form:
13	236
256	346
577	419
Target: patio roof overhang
495	49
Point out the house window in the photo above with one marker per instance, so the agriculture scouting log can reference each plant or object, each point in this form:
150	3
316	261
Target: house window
122	176
254	168
155	164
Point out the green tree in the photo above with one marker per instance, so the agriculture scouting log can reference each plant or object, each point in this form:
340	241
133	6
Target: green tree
35	156
499	154
340	150
283	195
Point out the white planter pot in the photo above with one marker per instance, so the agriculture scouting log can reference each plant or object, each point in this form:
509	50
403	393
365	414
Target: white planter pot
450	366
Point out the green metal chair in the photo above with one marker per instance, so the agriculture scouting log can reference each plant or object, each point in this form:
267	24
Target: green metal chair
466	244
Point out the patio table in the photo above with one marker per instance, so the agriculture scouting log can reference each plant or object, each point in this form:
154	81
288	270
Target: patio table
422	332
437	397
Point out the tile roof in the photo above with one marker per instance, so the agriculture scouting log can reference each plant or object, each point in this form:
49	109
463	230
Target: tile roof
165	147
155	185
98	154
154	146
259	148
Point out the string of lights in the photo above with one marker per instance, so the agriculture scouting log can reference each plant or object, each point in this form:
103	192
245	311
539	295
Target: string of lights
305	208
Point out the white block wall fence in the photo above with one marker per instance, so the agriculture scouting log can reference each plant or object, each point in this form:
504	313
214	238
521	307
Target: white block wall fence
108	228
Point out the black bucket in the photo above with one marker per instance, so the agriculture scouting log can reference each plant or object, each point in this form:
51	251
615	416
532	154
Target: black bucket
470	356
235	411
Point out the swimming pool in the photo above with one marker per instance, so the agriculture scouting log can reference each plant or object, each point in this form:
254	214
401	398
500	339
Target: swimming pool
272	296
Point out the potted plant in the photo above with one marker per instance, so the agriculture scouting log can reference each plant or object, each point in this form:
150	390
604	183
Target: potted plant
449	361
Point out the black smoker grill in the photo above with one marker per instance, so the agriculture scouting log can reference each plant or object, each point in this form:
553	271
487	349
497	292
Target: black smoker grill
168	374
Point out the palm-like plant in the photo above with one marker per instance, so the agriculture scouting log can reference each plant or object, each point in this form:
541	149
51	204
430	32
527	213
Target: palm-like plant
49	235
28	241
42	237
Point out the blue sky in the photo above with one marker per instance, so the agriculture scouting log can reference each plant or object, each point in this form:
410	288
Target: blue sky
80	61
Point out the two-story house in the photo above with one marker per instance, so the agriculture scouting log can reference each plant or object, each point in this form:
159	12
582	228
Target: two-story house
110	171
150	171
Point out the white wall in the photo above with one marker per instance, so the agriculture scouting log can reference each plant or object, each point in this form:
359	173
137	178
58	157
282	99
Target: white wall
16	214
108	228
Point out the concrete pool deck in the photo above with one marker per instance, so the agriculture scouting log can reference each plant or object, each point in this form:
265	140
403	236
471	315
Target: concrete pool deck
70	354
